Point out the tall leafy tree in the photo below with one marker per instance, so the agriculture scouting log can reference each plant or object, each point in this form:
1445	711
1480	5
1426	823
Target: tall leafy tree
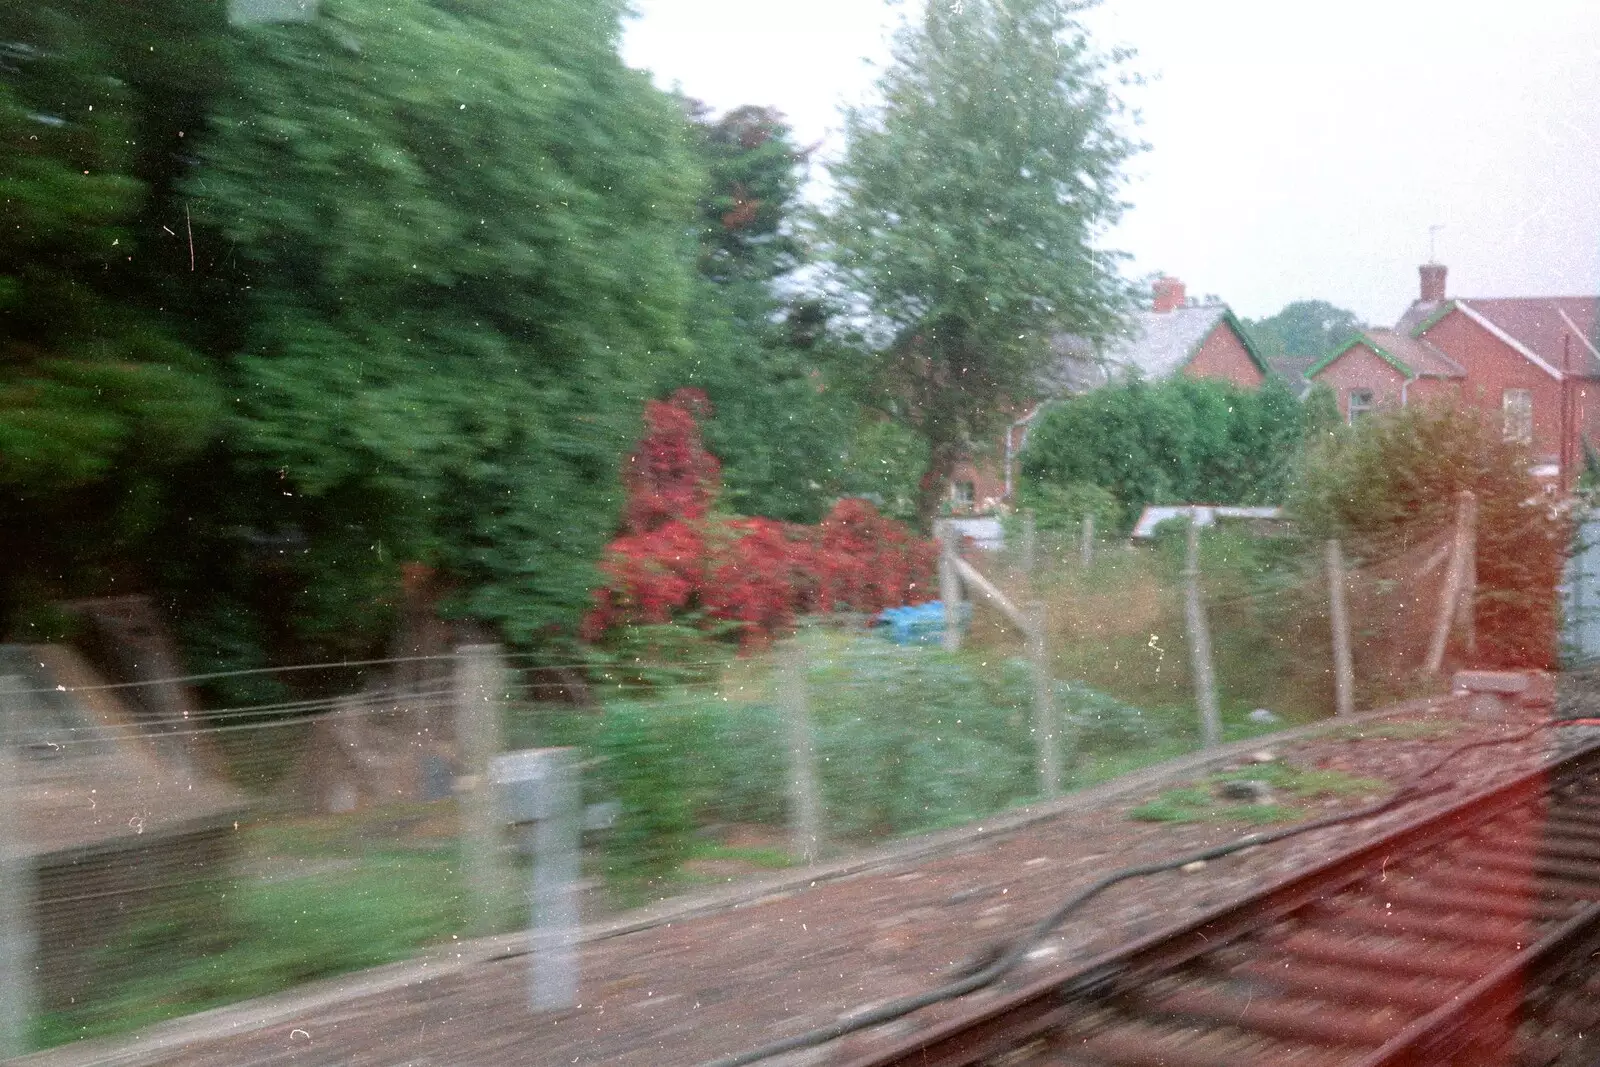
1303	328
761	351
462	228
746	212
99	395
969	204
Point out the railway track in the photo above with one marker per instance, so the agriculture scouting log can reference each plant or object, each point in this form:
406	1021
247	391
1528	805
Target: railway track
1469	938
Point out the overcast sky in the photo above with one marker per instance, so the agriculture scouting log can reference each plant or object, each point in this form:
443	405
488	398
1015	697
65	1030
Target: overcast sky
1299	150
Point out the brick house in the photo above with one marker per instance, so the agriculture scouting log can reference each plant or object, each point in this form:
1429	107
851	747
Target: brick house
1529	361
1174	336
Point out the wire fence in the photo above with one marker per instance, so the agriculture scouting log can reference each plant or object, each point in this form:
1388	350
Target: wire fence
1117	618
179	858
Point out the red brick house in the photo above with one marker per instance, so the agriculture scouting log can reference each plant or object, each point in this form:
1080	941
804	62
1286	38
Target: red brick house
1529	361
1174	336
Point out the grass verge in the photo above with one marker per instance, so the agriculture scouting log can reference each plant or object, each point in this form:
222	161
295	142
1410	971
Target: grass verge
1298	786
306	911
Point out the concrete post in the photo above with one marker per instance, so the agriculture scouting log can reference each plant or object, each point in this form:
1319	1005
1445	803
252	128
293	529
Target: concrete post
1044	712
805	816
479	683
539	797
1205	686
1467	601
1344	678
949	586
1029	542
1456	579
17	936
1086	542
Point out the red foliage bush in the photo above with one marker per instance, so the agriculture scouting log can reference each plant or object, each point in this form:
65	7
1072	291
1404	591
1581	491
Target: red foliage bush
674	557
670	476
865	562
649	577
753	578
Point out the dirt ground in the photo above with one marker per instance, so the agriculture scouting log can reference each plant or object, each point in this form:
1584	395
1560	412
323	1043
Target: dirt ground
687	992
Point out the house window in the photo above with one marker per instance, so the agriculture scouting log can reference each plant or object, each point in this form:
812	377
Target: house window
961	496
1517	407
1360	403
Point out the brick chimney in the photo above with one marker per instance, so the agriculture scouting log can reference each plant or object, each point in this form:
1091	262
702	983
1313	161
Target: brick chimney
1169	295
1433	282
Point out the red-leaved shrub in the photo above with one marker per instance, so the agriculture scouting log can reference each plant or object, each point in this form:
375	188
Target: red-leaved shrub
670	476
674	557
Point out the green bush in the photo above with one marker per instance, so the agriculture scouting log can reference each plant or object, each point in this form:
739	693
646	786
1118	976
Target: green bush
278	934
650	757
906	739
911	737
1062	508
1179	441
1391	482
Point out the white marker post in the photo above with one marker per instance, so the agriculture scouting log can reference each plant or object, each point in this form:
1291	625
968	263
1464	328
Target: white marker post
538	792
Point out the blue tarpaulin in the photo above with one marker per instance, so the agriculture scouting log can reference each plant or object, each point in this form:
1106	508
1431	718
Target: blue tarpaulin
917	624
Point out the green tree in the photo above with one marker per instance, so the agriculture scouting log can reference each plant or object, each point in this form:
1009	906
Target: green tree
765	360
969	202
1303	328
464	233
746	212
99	395
1182	441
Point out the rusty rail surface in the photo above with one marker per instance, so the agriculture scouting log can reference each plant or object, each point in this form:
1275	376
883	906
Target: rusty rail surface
1468	938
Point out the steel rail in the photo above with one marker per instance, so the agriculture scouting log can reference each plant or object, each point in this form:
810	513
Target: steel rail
1034	1011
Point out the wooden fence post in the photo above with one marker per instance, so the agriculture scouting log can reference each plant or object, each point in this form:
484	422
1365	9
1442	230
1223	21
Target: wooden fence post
1086	542
16	889
1344	679
1467	601
479	683
1029	540
805	816
1044	712
1456	578
949	585
1205	686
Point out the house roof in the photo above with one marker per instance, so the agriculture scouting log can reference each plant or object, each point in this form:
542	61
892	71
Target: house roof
1559	330
1556	332
1295	371
1411	356
1152	344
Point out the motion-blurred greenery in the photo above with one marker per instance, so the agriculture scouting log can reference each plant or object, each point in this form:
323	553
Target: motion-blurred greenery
906	739
288	306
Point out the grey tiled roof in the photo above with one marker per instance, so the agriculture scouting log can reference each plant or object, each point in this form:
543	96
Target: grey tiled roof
1292	369
1152	344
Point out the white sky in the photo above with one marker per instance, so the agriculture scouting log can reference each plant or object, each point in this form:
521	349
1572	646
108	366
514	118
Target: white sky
1299	149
